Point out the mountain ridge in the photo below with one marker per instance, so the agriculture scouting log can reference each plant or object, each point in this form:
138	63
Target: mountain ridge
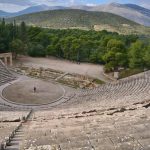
81	19
32	9
4	14
132	12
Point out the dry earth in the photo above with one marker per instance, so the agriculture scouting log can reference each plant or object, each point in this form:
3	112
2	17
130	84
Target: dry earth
22	92
87	69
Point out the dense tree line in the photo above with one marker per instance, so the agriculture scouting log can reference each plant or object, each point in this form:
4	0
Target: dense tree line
111	49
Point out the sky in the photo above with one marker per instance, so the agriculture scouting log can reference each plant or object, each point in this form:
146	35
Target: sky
17	5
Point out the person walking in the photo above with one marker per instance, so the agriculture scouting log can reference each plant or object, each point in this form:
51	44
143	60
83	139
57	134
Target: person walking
34	89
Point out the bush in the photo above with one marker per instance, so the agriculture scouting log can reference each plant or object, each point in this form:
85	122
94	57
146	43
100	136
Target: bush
36	50
108	68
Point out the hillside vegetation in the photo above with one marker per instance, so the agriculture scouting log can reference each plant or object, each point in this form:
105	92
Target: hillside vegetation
72	18
113	50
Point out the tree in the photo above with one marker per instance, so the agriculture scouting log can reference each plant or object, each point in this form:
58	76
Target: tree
115	45
95	57
15	30
17	47
3	36
115	56
76	50
33	32
23	32
43	39
146	56
52	50
36	50
136	53
3	23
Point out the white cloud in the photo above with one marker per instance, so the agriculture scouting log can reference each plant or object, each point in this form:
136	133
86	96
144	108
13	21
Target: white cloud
146	6
18	5
11	7
144	3
17	2
90	4
50	2
72	2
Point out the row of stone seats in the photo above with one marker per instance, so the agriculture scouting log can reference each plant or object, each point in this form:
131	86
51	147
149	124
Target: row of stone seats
13	118
5	107
6	141
113	86
123	93
5	75
121	131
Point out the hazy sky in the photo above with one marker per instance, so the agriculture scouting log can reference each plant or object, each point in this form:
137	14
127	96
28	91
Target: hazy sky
16	5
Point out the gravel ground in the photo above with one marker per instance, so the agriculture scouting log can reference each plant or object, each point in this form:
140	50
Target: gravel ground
86	69
22	92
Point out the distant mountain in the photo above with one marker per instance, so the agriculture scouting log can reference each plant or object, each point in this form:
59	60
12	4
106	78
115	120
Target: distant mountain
75	18
4	14
139	8
130	11
37	8
33	9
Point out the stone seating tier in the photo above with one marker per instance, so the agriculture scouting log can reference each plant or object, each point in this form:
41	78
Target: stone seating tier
121	131
5	75
112	116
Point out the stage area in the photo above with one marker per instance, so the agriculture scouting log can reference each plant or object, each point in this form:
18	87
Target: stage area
23	92
86	69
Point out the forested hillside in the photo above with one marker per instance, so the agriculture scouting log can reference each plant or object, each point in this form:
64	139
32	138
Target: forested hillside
80	19
111	49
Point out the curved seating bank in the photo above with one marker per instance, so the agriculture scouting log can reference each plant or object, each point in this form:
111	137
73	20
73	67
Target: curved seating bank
112	116
5	75
10	119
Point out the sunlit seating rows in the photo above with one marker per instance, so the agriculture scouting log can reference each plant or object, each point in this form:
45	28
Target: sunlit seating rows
87	122
10	122
91	119
121	131
5	75
122	93
9	116
6	130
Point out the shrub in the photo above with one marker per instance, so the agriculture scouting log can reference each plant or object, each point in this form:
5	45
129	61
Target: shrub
36	50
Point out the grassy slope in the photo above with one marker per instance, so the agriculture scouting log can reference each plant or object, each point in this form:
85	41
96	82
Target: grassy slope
83	20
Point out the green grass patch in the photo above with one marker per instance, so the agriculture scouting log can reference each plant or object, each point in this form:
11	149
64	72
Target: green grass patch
129	72
97	81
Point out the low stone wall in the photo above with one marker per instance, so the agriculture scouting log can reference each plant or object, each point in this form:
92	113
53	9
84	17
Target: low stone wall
73	80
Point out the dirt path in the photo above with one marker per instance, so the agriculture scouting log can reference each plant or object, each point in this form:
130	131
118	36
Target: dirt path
87	69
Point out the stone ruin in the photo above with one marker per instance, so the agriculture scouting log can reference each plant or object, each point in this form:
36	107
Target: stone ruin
111	116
